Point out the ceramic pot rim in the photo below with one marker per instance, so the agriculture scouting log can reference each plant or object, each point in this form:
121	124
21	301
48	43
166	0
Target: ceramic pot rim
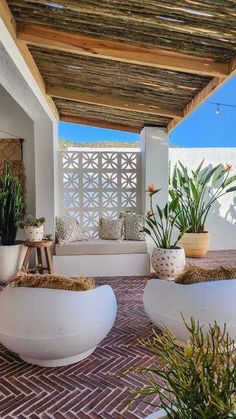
17	243
170	250
191	232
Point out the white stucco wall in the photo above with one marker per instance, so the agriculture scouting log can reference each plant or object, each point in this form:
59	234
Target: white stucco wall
221	222
32	119
13	120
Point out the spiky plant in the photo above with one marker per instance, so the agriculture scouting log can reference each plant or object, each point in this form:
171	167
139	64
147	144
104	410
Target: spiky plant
160	223
197	190
11	205
194	380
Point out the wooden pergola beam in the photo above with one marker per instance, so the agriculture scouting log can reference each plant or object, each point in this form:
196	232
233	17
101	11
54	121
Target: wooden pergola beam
9	21
215	84
99	124
41	36
115	102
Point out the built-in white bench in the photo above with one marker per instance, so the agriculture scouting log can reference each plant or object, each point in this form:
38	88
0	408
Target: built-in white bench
102	258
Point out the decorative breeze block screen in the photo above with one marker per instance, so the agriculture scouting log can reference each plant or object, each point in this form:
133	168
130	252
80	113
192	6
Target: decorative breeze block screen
99	183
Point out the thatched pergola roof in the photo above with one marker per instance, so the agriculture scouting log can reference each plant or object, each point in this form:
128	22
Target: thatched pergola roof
126	64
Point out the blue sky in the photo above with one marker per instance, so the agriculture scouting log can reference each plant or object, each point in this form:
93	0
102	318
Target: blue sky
204	128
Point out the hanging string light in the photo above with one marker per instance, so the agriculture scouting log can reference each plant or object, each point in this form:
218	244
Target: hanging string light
219	105
217	109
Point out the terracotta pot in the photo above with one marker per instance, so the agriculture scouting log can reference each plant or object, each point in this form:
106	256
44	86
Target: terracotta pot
168	263
34	234
195	245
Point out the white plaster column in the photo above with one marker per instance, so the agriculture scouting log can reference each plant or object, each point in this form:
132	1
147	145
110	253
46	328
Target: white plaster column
46	169
155	163
155	169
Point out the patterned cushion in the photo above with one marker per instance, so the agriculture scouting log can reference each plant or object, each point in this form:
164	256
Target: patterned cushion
110	229
68	230
134	223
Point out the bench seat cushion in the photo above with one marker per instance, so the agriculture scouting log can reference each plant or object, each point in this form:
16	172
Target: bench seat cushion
102	247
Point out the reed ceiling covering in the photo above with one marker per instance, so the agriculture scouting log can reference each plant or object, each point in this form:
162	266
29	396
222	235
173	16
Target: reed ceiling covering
128	64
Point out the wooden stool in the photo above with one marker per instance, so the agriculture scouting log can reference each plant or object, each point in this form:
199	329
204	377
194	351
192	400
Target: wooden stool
39	246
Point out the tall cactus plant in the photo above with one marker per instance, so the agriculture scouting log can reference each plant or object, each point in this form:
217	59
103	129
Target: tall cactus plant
11	205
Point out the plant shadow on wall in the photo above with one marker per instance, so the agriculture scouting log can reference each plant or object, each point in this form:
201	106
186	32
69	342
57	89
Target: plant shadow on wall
193	379
223	226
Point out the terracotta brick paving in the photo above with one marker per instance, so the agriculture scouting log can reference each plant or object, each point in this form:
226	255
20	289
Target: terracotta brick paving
90	389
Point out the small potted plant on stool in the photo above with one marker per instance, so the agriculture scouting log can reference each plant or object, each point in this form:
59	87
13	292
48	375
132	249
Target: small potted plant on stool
34	228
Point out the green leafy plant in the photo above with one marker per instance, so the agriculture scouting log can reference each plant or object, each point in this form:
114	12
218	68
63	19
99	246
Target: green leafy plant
160	223
32	221
197	190
194	380
11	205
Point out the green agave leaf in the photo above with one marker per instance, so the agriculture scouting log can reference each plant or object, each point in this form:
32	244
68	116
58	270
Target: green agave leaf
166	210
197	171
174	204
160	213
146	230
209	174
220	173
228	181
233	189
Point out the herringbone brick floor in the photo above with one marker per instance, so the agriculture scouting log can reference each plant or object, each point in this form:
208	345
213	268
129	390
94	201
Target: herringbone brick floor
90	389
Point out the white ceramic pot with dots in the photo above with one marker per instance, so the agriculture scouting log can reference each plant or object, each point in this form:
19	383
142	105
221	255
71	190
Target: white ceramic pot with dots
33	233
168	263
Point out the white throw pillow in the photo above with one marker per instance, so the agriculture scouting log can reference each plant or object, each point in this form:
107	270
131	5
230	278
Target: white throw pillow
134	224
110	229
68	230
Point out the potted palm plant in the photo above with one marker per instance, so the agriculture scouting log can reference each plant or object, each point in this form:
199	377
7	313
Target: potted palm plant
168	259
193	379
11	211
197	191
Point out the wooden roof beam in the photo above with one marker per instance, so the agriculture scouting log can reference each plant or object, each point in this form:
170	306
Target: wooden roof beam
116	102
41	36
9	21
215	84
99	124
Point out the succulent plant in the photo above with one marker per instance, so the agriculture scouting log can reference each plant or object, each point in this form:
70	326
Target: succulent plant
32	221
193	380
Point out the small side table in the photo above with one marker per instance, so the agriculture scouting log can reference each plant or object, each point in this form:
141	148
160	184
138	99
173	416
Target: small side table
39	246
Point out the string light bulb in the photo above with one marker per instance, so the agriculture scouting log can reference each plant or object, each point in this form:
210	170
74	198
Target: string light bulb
217	109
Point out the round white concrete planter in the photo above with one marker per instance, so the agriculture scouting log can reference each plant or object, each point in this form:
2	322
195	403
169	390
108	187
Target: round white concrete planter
11	259
34	234
161	414
52	328
168	263
164	301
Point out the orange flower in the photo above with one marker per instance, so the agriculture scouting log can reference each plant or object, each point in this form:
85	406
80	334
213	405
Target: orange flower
151	189
149	213
228	167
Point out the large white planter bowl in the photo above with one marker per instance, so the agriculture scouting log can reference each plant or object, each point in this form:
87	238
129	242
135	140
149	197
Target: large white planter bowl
34	234
11	259
164	301
168	263
52	328
161	414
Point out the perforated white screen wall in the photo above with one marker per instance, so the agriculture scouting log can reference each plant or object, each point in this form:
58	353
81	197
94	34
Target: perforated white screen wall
98	183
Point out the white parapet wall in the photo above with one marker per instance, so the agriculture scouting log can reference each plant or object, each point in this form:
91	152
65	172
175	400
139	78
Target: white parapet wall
221	222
